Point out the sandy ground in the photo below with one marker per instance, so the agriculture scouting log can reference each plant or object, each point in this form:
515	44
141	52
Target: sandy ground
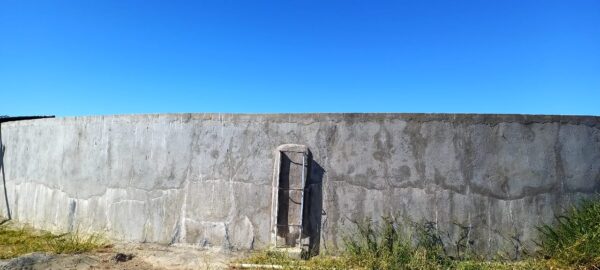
144	256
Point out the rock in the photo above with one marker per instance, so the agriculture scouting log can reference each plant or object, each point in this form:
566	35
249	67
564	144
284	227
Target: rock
28	261
121	257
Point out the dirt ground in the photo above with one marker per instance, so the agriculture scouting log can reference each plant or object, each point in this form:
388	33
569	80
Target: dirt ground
128	257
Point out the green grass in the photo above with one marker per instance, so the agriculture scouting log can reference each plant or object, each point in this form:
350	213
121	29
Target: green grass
18	241
571	242
386	247
419	259
270	257
575	237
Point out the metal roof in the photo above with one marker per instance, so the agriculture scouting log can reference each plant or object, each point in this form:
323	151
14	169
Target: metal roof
6	118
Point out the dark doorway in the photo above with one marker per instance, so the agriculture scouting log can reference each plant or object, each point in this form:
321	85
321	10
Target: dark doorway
292	178
297	199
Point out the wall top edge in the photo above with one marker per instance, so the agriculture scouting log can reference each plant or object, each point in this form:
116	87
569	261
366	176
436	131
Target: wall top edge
465	118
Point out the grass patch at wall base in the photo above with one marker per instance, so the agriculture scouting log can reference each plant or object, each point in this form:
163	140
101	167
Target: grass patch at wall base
572	241
18	241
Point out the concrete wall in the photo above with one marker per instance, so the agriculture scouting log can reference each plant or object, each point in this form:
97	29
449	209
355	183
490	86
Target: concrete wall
205	179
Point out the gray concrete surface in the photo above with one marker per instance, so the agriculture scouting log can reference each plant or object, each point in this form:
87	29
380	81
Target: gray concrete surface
206	179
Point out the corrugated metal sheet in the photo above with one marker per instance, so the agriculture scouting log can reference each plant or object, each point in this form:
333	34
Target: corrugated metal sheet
6	118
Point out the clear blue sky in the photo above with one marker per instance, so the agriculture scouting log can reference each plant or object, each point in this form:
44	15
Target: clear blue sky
118	57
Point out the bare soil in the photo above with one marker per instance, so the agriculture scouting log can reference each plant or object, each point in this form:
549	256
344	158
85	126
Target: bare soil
127	257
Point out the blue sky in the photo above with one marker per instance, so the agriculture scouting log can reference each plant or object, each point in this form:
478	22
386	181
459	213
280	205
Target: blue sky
117	57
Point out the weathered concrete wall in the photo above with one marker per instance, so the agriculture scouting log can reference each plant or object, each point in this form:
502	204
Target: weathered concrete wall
205	179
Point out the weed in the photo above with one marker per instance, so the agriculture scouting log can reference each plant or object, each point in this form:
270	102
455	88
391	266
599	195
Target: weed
378	247
18	241
572	243
575	238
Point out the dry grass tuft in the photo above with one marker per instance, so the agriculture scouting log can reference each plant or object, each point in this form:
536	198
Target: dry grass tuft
18	241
